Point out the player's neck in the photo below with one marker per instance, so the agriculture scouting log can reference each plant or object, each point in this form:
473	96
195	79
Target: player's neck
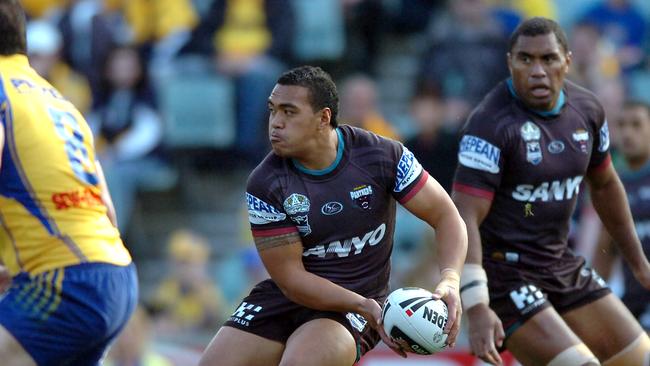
323	154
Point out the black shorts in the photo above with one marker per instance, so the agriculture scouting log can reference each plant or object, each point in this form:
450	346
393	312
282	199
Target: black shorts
517	292
266	312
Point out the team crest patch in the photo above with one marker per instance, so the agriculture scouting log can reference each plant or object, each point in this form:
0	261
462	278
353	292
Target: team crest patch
530	132
361	196
581	136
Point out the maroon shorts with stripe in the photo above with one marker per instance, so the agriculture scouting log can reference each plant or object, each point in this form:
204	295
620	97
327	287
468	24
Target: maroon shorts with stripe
266	312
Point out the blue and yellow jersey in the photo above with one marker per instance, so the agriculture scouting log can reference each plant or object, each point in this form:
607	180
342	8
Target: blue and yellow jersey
51	210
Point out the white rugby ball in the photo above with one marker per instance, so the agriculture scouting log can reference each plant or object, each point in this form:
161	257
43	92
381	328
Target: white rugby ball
412	315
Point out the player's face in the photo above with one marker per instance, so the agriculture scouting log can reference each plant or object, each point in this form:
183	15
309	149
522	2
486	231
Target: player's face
634	132
293	124
538	66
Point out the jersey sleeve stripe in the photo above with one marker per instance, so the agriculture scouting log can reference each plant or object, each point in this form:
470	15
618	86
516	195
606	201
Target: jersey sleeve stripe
600	167
274	232
418	186
473	191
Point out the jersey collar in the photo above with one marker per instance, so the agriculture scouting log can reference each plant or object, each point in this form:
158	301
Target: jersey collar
16	57
329	169
547	114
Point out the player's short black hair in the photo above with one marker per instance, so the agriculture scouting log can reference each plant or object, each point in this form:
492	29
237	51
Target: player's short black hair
12	28
636	103
322	90
539	26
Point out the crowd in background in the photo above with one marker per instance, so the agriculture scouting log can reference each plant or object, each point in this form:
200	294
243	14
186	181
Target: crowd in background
177	86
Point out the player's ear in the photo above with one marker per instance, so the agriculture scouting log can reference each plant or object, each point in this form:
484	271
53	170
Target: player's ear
509	61
325	118
568	57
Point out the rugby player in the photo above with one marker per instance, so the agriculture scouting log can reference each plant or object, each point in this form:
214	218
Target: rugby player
322	211
72	283
633	129
524	151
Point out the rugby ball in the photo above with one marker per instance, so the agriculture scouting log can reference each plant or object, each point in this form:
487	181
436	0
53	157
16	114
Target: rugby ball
412	315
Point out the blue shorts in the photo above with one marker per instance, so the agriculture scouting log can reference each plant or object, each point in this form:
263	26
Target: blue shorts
69	316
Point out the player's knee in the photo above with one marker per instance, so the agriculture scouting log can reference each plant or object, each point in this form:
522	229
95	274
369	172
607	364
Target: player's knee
636	353
577	355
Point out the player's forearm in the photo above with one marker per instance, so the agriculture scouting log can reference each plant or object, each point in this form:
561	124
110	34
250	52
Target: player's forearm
451	237
315	292
610	201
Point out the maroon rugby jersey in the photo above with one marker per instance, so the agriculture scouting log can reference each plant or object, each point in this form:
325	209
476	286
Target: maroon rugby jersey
345	214
530	164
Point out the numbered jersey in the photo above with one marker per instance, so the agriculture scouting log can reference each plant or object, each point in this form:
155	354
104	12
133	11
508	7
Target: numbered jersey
51	209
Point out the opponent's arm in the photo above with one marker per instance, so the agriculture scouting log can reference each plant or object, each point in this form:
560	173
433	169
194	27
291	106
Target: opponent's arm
106	196
282	257
434	206
485	327
610	201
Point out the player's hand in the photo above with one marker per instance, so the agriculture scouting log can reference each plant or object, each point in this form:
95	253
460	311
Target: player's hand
5	279
448	290
485	333
372	313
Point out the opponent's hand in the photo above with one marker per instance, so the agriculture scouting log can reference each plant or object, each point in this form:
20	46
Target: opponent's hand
372	313
485	333
448	290
5	279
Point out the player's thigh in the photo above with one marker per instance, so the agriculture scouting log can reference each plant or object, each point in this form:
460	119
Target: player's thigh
11	352
320	342
234	347
605	325
541	338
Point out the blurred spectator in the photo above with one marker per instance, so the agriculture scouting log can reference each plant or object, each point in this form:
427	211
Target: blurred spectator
187	299
249	40
435	145
160	25
128	131
465	58
44	43
90	31
359	106
41	8
133	347
363	29
592	59
623	25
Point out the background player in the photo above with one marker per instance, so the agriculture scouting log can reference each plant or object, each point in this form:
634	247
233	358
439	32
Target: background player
73	285
523	153
633	129
322	212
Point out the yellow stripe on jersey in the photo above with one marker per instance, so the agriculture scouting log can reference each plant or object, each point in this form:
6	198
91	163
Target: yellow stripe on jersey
50	202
